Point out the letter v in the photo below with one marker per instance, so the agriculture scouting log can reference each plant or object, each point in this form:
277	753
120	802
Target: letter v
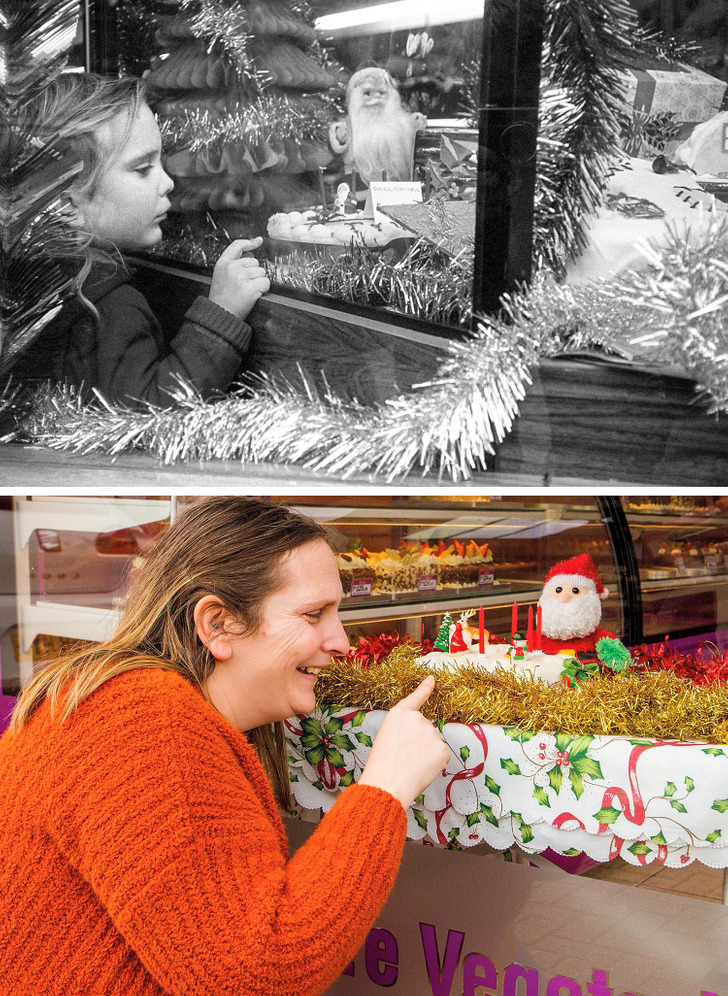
441	976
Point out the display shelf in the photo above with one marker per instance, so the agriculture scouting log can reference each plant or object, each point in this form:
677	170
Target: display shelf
74	622
71	614
689	520
525	534
707	582
503	595
85	514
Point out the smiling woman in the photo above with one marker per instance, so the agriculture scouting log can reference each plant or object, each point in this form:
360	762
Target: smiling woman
142	831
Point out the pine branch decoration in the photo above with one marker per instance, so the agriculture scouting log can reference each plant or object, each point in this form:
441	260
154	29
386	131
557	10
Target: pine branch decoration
585	44
34	38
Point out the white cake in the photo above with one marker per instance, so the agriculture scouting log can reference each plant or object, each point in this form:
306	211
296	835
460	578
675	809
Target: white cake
308	229
544	667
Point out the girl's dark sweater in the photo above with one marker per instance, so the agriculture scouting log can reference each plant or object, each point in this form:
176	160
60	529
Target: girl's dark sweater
125	356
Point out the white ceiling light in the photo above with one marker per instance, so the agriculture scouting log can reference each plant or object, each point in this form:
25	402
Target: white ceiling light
401	15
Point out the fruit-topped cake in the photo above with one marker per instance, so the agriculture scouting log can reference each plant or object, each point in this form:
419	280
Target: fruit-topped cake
461	563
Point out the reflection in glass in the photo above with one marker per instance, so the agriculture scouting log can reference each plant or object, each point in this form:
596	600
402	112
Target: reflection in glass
300	121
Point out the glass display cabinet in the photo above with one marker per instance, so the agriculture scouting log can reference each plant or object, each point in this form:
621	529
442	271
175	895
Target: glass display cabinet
681	548
404	561
374	144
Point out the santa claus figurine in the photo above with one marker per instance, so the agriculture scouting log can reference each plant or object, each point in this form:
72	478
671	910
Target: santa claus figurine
377	138
571	606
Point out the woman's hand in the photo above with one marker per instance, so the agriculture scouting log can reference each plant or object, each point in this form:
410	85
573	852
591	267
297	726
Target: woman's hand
238	280
408	750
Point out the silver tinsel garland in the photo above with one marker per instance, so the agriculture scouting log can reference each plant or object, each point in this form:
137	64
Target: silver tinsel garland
224	24
673	312
253	122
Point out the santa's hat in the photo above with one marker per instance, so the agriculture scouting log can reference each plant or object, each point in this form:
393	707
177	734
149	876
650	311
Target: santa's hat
579	570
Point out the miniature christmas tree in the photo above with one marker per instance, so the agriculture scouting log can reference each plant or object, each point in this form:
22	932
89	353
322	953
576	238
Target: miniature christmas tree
442	642
244	102
613	654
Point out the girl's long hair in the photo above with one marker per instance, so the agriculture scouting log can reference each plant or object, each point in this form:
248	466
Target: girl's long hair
66	116
229	547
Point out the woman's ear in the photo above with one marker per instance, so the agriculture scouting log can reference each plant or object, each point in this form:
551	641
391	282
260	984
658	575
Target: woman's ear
212	621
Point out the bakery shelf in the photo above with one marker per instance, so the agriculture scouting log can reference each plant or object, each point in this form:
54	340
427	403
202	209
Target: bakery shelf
441	601
85	514
526	535
697	582
74	622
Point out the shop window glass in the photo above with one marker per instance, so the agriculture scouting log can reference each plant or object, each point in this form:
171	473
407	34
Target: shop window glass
681	545
270	127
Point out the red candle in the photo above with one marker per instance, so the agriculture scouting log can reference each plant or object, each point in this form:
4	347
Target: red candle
481	630
529	634
514	620
538	628
422	631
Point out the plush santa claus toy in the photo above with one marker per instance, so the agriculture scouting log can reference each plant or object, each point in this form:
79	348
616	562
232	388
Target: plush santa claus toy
378	136
571	606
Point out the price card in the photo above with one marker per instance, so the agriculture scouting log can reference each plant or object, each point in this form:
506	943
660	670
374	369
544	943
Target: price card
389	192
427	582
680	564
485	577
360	587
711	563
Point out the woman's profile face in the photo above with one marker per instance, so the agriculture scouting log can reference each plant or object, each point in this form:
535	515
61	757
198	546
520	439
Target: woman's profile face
271	673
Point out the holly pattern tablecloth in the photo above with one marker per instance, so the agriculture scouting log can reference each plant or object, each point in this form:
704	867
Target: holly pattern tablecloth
644	800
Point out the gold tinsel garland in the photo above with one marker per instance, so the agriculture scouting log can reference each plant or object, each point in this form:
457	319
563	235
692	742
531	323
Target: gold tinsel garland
649	704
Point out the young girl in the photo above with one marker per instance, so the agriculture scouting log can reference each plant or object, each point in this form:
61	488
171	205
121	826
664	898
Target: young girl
141	851
108	337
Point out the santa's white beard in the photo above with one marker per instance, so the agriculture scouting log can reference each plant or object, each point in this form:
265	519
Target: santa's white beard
382	141
578	617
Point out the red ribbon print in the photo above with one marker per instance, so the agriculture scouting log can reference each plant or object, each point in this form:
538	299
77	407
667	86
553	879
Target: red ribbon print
636	812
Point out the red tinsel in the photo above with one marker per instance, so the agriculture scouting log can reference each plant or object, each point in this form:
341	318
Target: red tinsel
371	649
706	665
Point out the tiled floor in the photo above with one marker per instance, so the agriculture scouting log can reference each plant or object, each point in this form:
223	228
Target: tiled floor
695	881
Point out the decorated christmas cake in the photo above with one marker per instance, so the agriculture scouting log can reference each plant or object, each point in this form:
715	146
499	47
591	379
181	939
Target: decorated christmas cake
325	232
458	645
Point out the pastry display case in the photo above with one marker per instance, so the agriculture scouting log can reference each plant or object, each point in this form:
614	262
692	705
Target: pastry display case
681	548
404	561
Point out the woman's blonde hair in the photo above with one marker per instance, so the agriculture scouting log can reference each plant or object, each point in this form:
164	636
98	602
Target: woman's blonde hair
229	547
66	116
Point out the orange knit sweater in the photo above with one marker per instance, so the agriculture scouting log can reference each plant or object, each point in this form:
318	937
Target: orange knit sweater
142	854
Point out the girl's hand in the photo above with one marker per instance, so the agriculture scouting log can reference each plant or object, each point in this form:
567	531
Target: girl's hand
408	750
238	280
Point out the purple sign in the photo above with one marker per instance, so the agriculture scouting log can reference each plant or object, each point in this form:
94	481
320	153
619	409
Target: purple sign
464	924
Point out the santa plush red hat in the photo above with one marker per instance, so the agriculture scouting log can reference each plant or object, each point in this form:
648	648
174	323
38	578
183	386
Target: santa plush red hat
578	570
574	625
